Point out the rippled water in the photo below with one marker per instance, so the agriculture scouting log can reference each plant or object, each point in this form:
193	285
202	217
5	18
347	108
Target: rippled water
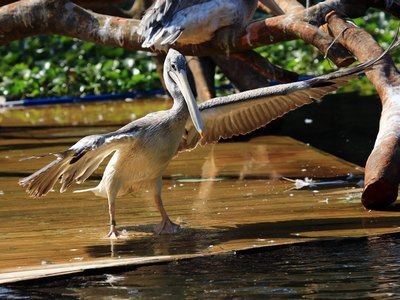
349	269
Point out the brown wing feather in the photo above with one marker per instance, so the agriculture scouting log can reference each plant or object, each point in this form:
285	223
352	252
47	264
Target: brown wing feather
248	116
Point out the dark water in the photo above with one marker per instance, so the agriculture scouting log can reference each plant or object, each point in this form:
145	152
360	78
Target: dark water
367	268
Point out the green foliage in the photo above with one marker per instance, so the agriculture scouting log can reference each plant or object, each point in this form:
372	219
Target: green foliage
56	66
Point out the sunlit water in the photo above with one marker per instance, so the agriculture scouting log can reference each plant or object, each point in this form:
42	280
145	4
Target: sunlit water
356	269
350	269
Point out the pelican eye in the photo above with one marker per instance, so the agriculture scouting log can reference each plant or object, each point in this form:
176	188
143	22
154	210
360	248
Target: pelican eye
173	66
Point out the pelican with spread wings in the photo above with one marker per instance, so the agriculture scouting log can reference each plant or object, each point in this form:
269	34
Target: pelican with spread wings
141	150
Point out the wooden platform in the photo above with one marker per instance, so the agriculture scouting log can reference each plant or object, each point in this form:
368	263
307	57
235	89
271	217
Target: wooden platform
227	197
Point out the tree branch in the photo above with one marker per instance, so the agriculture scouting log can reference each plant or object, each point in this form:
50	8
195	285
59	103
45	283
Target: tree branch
26	18
382	171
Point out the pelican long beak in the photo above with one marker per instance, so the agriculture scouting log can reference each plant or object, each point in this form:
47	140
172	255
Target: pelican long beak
180	78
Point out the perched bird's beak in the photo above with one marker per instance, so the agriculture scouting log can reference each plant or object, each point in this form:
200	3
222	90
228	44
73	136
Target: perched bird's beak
180	78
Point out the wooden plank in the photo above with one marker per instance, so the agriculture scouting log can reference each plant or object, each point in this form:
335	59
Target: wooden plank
227	197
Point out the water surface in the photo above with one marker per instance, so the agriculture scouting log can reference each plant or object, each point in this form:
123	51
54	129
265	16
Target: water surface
361	268
367	268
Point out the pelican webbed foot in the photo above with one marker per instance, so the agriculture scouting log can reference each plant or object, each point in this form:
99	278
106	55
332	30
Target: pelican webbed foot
114	233
166	227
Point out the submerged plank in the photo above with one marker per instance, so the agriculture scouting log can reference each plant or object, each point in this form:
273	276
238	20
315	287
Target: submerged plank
227	197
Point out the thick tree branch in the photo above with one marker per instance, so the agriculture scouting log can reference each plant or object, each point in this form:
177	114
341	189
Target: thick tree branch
26	18
382	172
284	28
290	6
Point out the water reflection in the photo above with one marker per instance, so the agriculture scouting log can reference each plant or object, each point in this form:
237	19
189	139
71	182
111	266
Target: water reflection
352	269
191	240
259	208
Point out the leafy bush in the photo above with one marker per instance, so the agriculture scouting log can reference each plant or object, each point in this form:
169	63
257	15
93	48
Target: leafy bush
54	66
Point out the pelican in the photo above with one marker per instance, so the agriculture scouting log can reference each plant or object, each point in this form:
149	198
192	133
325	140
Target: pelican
195	21
142	149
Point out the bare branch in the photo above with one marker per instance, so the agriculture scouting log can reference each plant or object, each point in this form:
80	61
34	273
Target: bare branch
26	18
290	6
382	172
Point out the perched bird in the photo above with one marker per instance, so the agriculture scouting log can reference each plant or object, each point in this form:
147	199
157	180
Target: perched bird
142	149
195	21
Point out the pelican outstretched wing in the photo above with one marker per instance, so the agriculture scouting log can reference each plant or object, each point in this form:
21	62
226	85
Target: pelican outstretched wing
75	164
244	112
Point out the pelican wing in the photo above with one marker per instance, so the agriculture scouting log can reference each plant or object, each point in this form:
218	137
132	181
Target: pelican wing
77	163
244	112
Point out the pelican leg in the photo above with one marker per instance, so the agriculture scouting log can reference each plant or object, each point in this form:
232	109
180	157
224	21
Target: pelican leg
166	226
113	233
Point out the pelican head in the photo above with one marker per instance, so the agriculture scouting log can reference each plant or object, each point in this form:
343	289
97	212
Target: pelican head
176	81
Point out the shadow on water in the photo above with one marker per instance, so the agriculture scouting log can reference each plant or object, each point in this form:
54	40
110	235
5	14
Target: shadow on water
190	240
366	268
344	125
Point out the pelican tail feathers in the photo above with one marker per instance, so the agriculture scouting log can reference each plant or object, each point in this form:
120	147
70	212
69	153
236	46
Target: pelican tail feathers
73	165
